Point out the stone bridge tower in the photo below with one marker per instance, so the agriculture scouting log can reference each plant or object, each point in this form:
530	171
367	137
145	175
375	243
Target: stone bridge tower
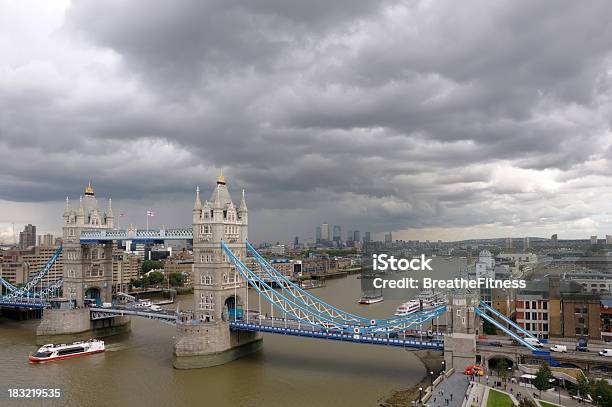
219	291
88	269
460	341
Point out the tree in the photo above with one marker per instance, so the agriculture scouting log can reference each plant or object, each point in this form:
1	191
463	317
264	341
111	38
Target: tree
601	392
149	265
155	277
583	386
526	402
176	279
502	368
543	377
488	328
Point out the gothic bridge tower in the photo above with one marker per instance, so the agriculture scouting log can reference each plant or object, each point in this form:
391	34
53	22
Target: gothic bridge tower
88	269
219	291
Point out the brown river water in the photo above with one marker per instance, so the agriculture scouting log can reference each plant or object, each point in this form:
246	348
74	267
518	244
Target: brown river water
136	369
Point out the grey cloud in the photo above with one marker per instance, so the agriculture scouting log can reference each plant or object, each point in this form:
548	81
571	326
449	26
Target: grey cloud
386	116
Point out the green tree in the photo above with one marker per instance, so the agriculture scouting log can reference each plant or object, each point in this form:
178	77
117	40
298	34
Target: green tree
527	402
176	279
488	328
542	379
601	392
502	368
583	386
155	277
149	265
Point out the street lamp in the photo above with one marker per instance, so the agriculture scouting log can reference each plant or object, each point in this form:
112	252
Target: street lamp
431	377
443	366
420	395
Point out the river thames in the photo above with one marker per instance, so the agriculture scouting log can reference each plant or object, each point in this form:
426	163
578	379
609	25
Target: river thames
137	368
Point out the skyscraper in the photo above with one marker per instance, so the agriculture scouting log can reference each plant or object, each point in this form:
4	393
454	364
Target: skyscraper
27	238
508	243
526	244
366	237
337	234
325	232
350	235
356	237
318	234
388	237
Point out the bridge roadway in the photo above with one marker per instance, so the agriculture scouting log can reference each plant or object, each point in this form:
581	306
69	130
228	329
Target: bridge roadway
23	303
509	350
167	316
294	328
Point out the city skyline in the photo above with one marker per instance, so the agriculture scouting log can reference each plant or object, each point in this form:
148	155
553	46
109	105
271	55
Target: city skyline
443	139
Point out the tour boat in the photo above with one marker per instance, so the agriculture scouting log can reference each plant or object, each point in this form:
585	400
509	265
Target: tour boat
367	299
408	308
48	353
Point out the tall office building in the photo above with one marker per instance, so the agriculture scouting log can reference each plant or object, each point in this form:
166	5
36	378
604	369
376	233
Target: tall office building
526	244
608	239
366	237
508	243
593	239
318	234
553	239
325	232
356	236
350	235
337	234
296	241
27	238
388	238
45	240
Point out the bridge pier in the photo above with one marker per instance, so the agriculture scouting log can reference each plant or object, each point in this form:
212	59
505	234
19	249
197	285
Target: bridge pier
460	341
59	325
212	344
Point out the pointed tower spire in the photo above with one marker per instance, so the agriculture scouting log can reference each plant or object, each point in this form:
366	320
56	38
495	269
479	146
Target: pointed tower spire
217	201
198	203
110	208
67	208
243	206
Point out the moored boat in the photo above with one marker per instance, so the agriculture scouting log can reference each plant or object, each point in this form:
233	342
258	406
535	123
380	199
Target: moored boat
50	352
366	299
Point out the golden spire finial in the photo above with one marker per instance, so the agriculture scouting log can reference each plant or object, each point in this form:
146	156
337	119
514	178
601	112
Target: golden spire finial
221	178
89	189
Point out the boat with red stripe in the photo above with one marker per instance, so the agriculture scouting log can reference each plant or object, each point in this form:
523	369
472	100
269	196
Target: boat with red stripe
50	352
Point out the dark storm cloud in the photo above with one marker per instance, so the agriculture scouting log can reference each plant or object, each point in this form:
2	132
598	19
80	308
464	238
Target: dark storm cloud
383	115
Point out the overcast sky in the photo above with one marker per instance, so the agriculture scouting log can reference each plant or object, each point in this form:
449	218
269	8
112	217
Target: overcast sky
432	119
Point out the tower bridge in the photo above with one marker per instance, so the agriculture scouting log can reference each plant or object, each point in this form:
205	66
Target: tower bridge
221	326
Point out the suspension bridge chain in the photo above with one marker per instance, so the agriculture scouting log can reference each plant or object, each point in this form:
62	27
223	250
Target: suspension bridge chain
312	316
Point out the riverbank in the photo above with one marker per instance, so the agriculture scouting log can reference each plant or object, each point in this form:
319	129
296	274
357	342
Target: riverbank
403	397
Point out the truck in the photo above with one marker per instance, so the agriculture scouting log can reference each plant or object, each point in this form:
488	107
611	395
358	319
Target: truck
558	348
581	346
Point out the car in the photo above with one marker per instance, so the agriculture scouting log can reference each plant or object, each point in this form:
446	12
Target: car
533	342
606	352
474	370
156	308
558	348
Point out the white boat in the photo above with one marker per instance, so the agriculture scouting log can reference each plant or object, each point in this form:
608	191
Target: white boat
408	308
143	304
366	299
423	301
50	352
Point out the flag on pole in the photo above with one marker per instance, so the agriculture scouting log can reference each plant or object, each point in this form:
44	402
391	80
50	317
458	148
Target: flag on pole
150	213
